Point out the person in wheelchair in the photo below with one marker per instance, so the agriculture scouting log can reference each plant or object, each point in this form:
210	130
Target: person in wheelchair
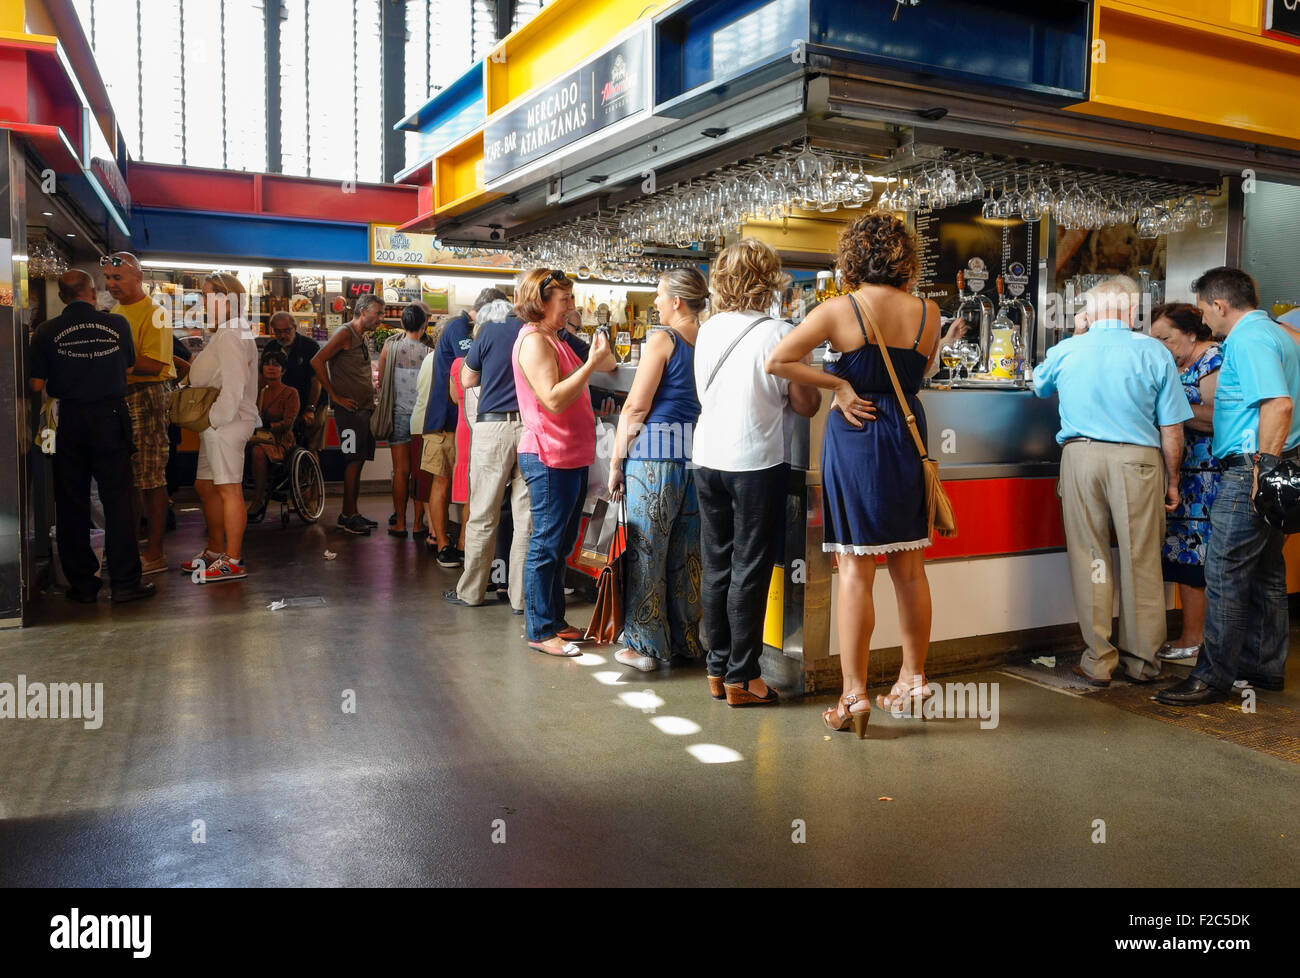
277	403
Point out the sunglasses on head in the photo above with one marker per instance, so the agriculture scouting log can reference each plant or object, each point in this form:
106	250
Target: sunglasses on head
553	278
114	260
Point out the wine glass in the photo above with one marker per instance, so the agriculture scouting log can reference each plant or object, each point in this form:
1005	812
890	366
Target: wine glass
969	353
623	346
1204	213
1030	207
950	360
990	209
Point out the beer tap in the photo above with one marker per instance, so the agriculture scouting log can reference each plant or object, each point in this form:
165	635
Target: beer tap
977	312
1028	335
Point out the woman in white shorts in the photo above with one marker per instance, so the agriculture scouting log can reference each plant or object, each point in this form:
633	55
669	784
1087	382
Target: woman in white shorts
228	362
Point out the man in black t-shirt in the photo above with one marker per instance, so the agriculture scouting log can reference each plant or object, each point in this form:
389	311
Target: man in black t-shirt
81	357
298	374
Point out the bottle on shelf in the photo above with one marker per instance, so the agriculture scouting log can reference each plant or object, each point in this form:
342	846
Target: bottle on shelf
1003	360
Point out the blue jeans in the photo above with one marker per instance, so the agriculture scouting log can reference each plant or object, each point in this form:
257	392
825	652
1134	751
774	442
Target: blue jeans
662	561
556	496
1246	616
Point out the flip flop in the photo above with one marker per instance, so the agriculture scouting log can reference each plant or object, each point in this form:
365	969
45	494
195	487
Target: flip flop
569	650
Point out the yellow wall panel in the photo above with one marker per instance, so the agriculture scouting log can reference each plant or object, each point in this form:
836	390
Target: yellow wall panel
1172	72
802	232
13	16
564	33
1239	14
458	177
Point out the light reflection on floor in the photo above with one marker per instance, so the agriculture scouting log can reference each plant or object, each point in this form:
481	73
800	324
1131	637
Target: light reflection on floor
676	726
648	701
713	754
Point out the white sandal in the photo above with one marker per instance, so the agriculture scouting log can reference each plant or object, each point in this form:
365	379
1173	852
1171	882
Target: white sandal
905	700
642	663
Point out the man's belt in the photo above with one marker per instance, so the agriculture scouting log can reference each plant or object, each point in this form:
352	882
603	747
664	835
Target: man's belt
498	416
1102	441
1232	461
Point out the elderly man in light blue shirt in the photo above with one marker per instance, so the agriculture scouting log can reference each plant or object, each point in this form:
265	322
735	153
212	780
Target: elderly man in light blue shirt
1122	410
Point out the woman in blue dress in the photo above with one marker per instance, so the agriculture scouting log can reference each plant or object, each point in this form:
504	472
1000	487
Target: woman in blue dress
1179	327
874	484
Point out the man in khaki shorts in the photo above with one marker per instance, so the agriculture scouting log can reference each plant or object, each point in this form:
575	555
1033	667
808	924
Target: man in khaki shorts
148	391
440	416
1122	410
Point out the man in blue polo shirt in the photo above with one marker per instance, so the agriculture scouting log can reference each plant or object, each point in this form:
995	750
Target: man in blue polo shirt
1122	410
494	460
1255	427
441	418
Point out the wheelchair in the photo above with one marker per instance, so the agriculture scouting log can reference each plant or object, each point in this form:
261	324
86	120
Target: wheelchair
297	485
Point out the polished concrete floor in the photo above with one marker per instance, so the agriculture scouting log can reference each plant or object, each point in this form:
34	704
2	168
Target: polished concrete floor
470	760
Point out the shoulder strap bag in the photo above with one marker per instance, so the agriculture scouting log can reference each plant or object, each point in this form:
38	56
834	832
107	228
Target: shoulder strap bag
381	420
727	352
189	407
939	510
607	617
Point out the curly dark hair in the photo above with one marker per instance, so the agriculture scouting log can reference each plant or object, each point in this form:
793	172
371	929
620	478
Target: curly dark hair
1183	316
877	249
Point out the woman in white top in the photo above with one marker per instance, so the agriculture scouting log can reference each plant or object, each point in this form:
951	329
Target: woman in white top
739	449
228	362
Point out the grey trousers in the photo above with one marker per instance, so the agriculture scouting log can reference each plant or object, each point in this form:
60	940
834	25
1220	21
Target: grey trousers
494	462
1105	486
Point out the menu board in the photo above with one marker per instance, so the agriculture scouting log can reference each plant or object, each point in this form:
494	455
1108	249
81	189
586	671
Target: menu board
961	239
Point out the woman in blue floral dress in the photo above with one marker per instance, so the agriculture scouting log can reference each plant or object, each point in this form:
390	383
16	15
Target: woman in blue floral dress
1179	327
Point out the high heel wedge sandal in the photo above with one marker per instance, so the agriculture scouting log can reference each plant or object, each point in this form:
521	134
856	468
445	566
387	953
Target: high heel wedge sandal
907	699
836	720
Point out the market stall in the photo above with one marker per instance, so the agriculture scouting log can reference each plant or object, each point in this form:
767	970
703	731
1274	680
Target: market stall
707	122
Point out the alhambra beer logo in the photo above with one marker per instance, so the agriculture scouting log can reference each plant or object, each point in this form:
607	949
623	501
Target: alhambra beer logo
619	82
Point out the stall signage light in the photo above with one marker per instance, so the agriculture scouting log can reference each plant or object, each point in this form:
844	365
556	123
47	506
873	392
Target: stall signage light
389	245
609	88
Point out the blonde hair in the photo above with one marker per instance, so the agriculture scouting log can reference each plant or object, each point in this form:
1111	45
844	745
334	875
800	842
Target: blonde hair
689	285
225	283
746	276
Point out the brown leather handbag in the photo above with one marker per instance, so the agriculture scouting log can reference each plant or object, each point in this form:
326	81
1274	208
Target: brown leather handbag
938	506
607	617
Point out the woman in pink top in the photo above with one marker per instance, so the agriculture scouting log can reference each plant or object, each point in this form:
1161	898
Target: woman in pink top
558	445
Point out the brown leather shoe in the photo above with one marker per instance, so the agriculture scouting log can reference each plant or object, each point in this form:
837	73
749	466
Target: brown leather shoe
1091	680
741	696
715	688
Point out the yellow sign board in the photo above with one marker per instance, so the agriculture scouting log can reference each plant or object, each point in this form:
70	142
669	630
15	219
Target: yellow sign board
774	622
389	246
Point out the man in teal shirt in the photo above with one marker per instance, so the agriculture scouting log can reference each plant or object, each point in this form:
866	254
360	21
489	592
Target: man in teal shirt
1255	427
1122	410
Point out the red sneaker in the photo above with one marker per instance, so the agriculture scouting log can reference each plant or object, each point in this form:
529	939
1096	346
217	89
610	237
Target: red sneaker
222	569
